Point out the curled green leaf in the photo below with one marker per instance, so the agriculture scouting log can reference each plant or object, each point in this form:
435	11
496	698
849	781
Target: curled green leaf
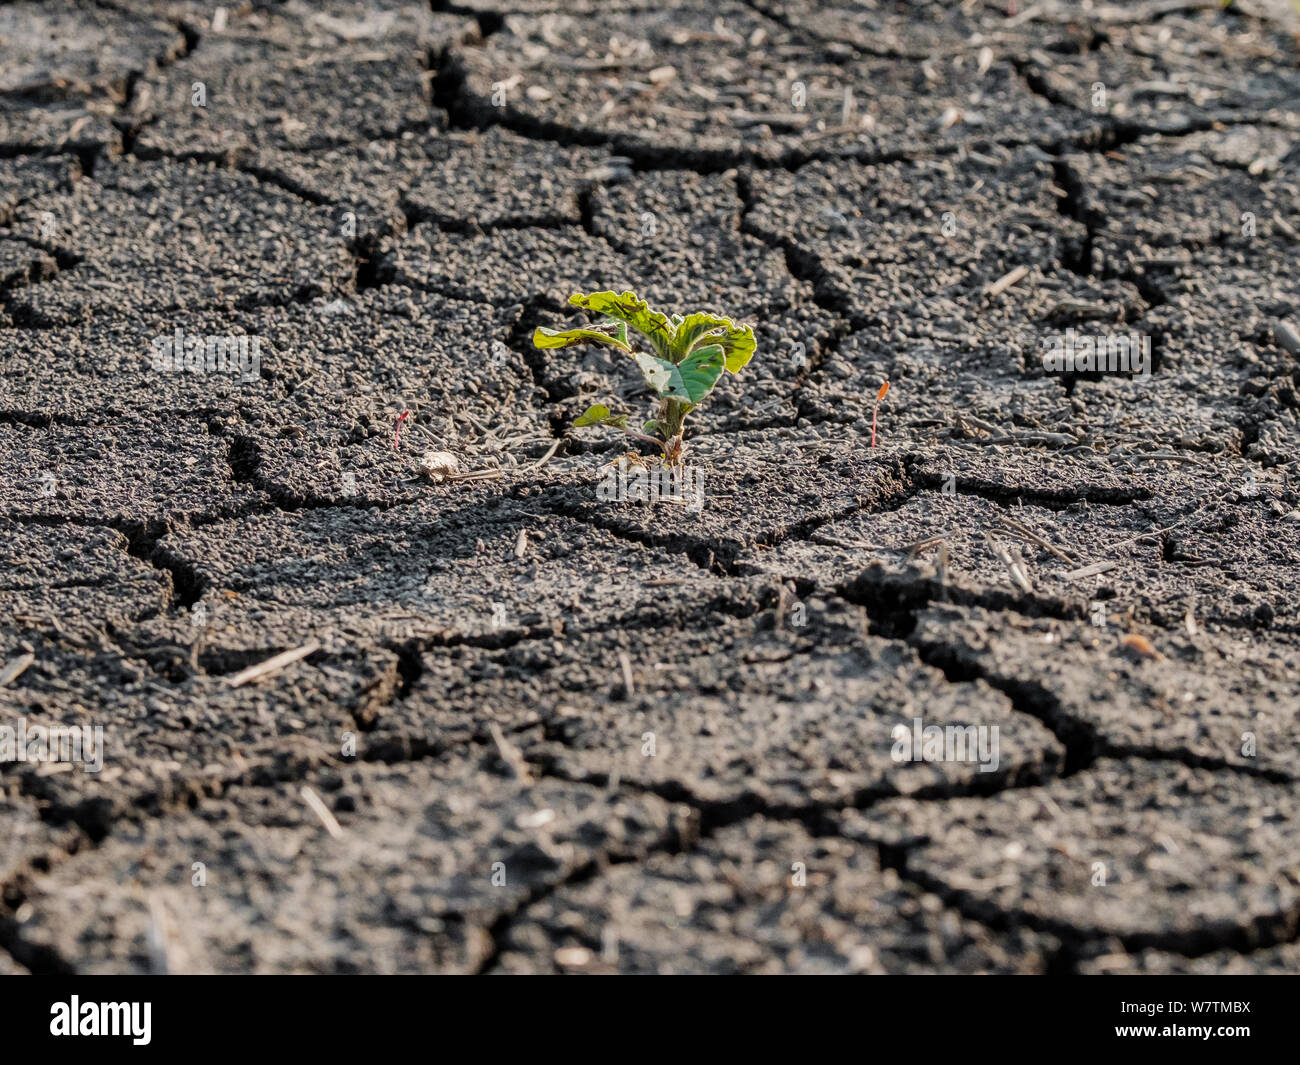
631	309
550	338
737	342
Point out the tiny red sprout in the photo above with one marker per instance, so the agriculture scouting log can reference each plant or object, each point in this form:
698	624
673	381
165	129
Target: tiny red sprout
884	389
397	433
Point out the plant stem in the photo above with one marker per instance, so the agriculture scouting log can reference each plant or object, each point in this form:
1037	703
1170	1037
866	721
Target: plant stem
672	413
648	439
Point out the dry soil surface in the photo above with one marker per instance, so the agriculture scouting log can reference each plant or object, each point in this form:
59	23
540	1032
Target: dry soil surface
528	729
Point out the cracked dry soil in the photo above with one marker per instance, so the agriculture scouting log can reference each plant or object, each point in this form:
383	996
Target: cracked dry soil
551	733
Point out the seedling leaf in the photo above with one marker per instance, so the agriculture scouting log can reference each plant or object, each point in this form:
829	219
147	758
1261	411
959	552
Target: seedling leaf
593	415
737	342
569	338
631	309
691	380
599	414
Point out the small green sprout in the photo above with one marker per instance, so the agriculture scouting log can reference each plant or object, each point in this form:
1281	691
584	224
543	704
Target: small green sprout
689	356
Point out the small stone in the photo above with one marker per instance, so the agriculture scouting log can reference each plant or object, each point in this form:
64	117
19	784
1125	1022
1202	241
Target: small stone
438	466
573	957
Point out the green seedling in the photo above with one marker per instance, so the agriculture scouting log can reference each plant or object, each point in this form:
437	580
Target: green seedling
688	356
